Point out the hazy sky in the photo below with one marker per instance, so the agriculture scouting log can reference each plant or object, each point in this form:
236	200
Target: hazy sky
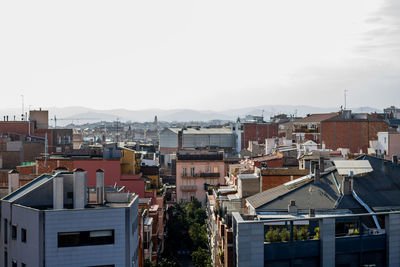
199	54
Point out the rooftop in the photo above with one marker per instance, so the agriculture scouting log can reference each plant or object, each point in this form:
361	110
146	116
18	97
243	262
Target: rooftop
207	131
316	118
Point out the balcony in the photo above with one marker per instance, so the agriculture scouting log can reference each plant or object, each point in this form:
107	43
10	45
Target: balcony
201	175
188	188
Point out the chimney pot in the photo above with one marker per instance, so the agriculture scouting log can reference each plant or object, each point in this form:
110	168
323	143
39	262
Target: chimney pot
395	159
322	164
386	167
58	192
311	213
100	194
292	209
317	174
13	181
347	184
80	188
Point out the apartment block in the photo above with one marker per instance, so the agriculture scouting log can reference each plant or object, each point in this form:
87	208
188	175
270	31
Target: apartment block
56	220
197	169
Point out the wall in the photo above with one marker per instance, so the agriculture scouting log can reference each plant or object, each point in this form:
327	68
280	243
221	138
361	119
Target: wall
248	186
10	159
248	242
15	128
394	145
32	150
198	182
31	252
86	220
127	161
258	132
208	140
274	177
354	135
40	117
168	139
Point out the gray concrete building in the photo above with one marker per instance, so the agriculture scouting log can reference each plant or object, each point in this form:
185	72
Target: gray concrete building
315	240
55	220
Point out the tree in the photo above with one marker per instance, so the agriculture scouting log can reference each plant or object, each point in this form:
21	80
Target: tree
198	235
168	263
201	258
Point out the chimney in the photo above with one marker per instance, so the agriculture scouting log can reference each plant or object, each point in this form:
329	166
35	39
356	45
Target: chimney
395	160
322	164
58	192
292	209
317	174
311	213
13	181
347	184
100	187
180	137
80	189
386	167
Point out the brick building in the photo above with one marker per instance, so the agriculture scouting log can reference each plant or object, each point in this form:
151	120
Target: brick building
352	131
257	131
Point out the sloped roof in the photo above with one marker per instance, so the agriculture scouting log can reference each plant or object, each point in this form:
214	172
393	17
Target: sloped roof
378	189
324	195
355	117
29	187
316	118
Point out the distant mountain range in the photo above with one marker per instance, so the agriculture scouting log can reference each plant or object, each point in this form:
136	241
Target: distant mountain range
80	115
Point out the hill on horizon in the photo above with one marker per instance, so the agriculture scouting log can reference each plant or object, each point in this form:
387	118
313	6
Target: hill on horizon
81	115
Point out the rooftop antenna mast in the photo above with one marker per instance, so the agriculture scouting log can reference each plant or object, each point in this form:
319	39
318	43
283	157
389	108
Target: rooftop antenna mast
22	97
345	98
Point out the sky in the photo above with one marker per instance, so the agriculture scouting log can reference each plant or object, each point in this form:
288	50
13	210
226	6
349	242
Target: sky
204	55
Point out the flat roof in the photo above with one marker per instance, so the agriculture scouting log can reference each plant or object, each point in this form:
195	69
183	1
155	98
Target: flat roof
207	131
356	166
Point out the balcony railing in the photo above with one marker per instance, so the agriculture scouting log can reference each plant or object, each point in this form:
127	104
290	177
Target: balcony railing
188	188
202	175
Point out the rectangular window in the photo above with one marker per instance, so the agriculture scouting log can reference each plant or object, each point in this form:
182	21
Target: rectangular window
14	263
216	170
23	235
192	172
14	232
184	174
5	258
5	231
86	238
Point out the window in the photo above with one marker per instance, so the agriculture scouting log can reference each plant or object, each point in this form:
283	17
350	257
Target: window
86	238
216	170
184	174
14	263
23	265
23	235
14	232
192	172
5	231
5	258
